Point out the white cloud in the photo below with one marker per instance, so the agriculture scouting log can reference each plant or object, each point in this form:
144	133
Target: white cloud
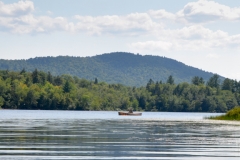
199	32
192	38
162	14
130	24
16	9
205	11
29	24
19	18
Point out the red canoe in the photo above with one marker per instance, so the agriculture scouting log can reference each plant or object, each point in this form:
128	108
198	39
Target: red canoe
129	114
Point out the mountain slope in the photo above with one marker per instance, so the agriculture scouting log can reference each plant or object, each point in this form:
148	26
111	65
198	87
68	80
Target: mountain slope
118	67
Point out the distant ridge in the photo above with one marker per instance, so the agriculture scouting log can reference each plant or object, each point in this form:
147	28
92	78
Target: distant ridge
117	67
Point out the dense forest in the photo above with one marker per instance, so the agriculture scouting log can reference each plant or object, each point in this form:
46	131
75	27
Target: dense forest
41	90
119	67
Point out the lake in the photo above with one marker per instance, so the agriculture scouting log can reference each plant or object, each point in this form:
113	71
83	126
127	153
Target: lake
35	135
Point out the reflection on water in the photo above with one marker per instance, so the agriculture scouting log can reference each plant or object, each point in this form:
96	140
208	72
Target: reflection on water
117	139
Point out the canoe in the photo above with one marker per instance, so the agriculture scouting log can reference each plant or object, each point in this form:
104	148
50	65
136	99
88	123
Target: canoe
129	114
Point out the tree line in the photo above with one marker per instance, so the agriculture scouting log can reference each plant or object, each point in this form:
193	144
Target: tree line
43	91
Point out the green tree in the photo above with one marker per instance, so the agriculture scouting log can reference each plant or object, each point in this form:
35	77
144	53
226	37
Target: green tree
214	81
49	77
96	81
71	93
19	93
157	90
170	80
197	80
1	102
35	76
221	105
67	87
23	71
236	86
58	81
150	82
209	105
3	87
31	99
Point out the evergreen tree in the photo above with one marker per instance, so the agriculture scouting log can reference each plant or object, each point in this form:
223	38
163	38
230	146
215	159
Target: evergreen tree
58	81
214	81
157	90
197	80
236	86
227	84
170	80
67	87
150	82
23	71
35	76
1	101
96	81
18	92
49	77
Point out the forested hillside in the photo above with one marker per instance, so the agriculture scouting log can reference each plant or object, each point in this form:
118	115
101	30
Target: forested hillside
40	90
119	67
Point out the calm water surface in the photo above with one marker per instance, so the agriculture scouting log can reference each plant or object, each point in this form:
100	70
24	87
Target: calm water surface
28	135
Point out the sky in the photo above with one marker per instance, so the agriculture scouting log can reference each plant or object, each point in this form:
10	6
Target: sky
201	33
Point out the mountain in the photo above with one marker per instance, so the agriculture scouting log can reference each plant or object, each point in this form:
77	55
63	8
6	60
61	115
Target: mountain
118	67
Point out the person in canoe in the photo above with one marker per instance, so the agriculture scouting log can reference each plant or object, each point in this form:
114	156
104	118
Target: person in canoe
130	110
129	113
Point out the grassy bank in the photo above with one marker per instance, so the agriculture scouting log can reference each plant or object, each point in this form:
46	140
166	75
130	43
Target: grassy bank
233	114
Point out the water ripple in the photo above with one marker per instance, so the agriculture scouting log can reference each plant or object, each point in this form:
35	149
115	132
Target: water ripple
118	139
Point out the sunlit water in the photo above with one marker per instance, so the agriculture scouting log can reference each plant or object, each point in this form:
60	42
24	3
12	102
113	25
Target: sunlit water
28	135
